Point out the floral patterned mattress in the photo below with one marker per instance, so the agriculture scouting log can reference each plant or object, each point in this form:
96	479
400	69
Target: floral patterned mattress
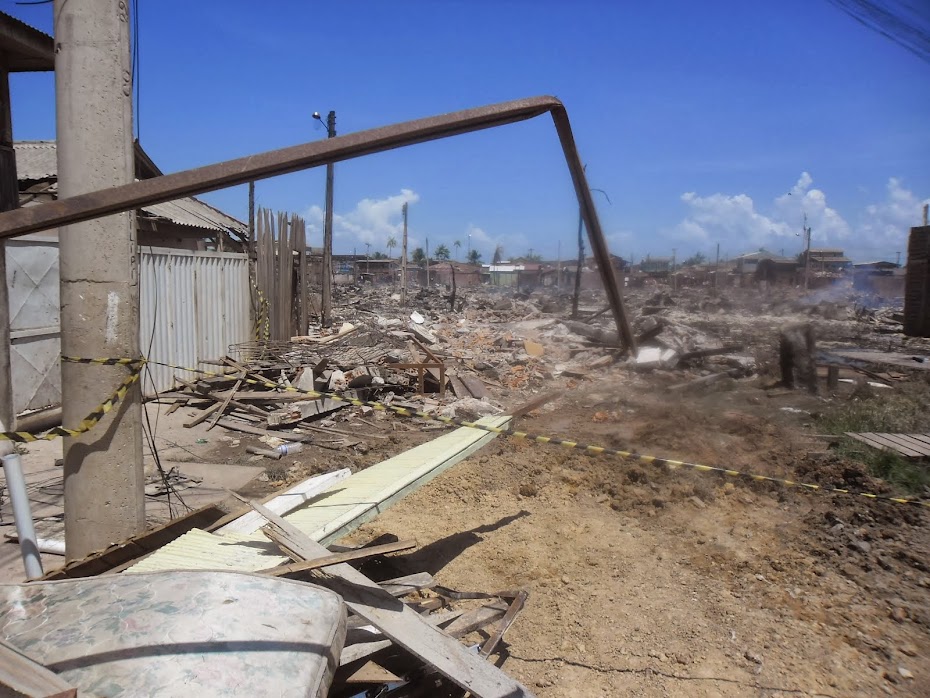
179	633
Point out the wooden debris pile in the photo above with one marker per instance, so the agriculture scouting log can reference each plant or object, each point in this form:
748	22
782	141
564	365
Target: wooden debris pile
404	635
263	387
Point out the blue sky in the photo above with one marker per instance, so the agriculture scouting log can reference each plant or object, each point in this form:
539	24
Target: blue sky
697	119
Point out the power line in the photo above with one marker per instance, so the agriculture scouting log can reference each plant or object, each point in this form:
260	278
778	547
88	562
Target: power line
900	21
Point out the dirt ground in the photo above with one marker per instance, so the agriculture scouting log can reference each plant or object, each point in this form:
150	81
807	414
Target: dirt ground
651	582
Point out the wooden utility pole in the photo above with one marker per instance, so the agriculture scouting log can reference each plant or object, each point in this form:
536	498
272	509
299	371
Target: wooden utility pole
717	267
103	475
403	262
580	264
251	210
326	314
807	254
427	262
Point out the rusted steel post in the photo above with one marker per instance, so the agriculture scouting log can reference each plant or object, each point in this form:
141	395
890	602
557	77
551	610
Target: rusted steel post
276	162
593	225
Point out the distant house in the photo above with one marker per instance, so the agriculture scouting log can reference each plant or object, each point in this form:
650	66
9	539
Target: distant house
876	268
465	274
186	223
886	279
504	273
379	271
656	266
777	270
826	260
748	263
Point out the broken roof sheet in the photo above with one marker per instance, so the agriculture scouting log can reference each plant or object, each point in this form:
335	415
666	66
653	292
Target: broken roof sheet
37	160
196	213
25	48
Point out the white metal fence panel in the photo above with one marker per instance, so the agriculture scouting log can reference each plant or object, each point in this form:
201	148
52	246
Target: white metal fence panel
35	339
193	306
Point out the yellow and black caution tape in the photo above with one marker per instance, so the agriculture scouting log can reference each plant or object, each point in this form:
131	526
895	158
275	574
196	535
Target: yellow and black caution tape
262	320
91	420
536	438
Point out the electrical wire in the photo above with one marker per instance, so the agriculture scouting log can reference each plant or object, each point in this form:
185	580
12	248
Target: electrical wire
904	23
148	429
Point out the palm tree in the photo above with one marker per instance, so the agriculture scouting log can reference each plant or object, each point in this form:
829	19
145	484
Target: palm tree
474	257
457	244
391	244
442	253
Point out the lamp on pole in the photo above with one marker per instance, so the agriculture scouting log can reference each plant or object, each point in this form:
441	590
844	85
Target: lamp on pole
326	312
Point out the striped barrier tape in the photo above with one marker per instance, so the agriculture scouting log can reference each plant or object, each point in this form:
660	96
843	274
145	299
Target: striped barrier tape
565	443
92	419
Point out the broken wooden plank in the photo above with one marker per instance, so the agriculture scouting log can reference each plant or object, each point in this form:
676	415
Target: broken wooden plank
458	387
396	620
534	404
372	673
594	333
23	677
337	558
248	429
906	441
215	407
225	402
399	586
285	502
515	607
477	618
360	650
304	410
884	443
341	432
475	387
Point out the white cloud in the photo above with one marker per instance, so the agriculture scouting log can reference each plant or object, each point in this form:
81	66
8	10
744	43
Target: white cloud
722	217
887	224
372	221
739	224
514	244
827	225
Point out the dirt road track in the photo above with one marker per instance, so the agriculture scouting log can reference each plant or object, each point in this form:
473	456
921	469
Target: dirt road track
651	583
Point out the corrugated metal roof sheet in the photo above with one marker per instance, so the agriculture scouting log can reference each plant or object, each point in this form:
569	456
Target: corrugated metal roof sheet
196	213
331	515
25	47
37	160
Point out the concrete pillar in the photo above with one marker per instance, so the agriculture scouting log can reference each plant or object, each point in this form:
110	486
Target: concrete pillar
104	481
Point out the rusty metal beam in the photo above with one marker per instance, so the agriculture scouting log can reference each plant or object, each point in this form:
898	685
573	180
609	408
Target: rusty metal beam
593	225
299	157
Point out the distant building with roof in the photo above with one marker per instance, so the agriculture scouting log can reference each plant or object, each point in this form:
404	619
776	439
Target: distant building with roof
826	260
186	223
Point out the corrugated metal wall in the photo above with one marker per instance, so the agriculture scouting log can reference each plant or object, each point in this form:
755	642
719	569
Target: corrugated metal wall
193	306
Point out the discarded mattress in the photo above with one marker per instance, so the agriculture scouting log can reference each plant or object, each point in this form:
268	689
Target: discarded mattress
207	634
